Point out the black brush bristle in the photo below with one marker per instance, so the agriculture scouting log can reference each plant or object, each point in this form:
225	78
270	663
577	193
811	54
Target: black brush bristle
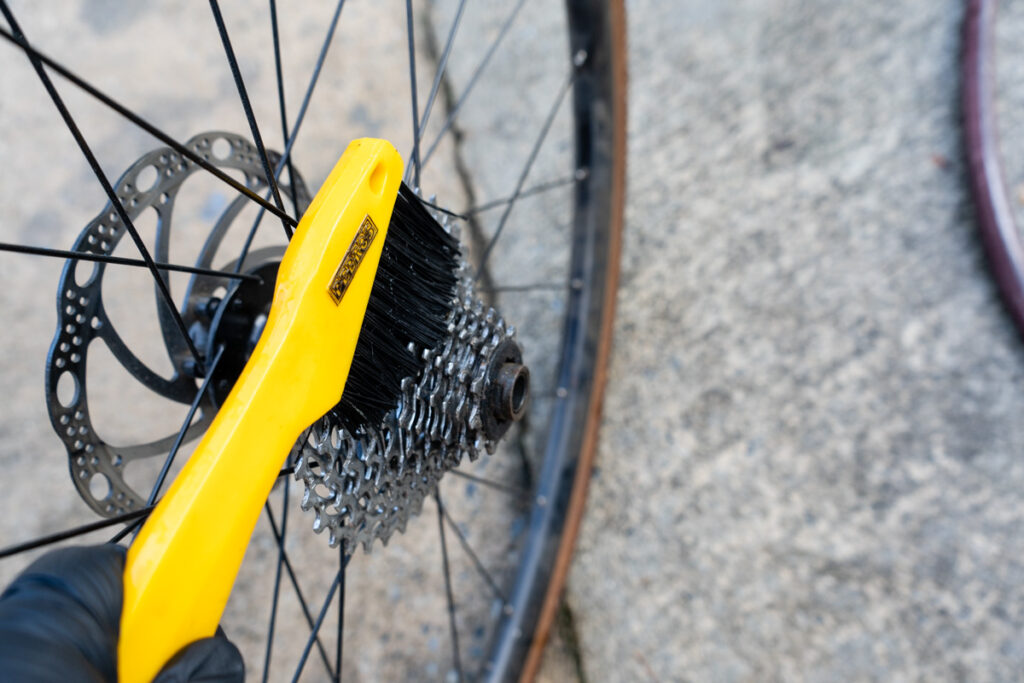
410	301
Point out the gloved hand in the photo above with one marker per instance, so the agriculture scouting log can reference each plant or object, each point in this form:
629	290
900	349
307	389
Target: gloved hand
60	620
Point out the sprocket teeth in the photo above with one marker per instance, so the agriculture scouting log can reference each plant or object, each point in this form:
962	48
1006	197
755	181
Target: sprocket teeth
434	426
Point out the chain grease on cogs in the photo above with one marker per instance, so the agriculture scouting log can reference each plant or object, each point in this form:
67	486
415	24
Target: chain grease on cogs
81	317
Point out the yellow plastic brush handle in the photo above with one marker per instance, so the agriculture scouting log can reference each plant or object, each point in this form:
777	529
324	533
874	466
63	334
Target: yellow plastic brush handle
182	566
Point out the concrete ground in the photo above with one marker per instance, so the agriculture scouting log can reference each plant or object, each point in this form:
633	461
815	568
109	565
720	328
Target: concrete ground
809	463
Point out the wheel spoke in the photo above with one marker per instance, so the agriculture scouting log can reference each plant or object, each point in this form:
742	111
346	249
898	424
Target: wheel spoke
121	261
536	189
137	523
314	628
448	587
72	533
484	574
130	528
440	208
520	493
280	97
169	460
341	613
533	287
450	120
236	73
494	204
161	284
277	583
338	579
517	192
439	76
144	125
290	139
411	40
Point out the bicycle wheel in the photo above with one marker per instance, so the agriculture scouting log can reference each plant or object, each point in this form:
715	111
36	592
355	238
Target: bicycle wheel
994	209
469	588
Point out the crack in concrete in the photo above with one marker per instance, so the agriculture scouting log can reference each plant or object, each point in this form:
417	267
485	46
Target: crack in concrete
565	620
477	239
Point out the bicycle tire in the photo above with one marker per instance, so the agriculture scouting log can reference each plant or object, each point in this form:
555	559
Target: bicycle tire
597	28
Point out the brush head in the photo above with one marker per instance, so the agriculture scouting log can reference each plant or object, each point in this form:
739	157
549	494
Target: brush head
408	311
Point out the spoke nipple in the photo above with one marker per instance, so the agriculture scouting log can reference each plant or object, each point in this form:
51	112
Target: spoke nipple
561	392
576	283
208	308
580	58
581	173
193	369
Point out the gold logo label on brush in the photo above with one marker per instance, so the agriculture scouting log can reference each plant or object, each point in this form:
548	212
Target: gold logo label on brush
353	257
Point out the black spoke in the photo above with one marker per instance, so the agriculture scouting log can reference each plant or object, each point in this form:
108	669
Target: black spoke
450	120
236	73
536	286
498	486
115	202
278	69
145	125
415	103
298	591
72	533
290	139
277	582
536	189
338	579
341	612
494	204
448	587
451	213
138	522
130	528
169	460
517	193
121	261
439	76
486	575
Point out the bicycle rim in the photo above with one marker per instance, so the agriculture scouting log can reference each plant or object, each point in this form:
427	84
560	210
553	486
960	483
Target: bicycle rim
566	444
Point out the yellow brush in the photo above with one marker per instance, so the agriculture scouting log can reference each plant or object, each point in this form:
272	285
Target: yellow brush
365	248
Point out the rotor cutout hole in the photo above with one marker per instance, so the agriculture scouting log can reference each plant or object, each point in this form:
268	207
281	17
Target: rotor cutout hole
85	272
124	408
221	148
99	486
67	389
378	177
129	303
146	178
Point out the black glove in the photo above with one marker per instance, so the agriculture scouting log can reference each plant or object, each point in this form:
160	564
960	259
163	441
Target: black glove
60	620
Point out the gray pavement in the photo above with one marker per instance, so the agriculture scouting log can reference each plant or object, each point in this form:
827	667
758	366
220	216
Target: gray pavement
809	466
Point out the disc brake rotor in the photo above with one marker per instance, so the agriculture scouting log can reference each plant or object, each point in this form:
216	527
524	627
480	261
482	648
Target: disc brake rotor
362	485
82	317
